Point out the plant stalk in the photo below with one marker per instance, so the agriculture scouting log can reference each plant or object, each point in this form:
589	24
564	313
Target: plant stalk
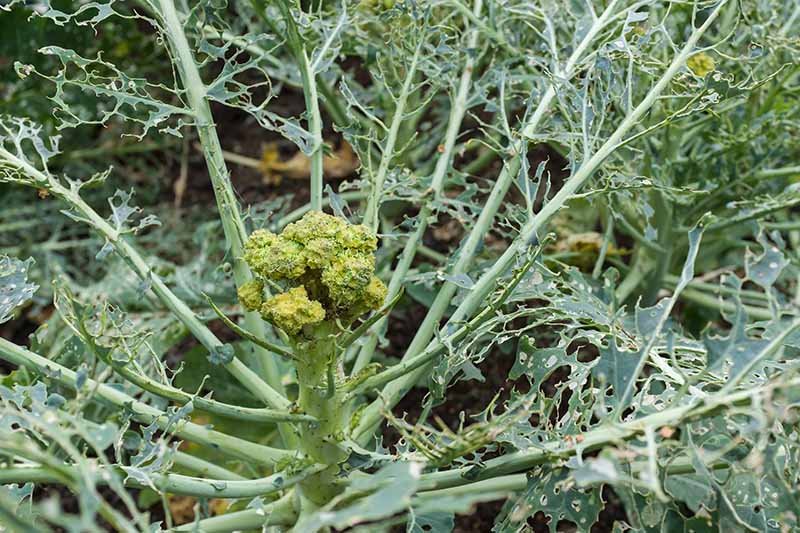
317	371
227	204
394	391
172	483
136	262
298	49
609	433
373	204
143	412
279	513
443	163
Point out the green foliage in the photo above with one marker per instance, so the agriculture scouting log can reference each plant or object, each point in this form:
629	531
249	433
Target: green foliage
15	289
573	224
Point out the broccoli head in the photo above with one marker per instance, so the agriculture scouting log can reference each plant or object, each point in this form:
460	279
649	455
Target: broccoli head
331	260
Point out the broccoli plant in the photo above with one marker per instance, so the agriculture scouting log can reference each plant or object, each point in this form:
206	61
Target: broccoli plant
328	267
543	274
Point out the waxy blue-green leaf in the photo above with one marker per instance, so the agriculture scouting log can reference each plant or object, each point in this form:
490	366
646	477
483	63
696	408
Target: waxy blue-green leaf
15	289
621	368
388	491
554	493
764	269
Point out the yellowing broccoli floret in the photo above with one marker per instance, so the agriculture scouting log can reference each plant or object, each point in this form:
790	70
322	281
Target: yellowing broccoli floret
358	238
273	257
319	252
347	278
329	258
375	294
372	298
701	64
314	225
292	310
251	294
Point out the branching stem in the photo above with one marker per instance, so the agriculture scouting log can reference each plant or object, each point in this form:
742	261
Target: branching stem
443	163
227	205
174	483
134	259
596	438
142	412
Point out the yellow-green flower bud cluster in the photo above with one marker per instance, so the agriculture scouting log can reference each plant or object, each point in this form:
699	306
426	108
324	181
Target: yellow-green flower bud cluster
251	294
327	263
377	4
292	310
701	64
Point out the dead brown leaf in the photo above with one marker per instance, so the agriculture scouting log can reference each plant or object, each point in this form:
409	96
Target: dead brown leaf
666	432
181	508
340	164
449	231
586	246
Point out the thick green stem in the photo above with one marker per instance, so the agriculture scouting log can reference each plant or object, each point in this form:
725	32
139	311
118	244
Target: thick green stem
308	76
443	164
204	468
466	255
641	267
170	483
169	392
315	128
373	204
493	203
586	170
206	404
317	365
280	513
519	482
715	302
227	204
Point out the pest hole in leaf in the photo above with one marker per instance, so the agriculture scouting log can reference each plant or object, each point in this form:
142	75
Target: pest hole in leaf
555	380
566	526
583	350
538	522
657	387
684	509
